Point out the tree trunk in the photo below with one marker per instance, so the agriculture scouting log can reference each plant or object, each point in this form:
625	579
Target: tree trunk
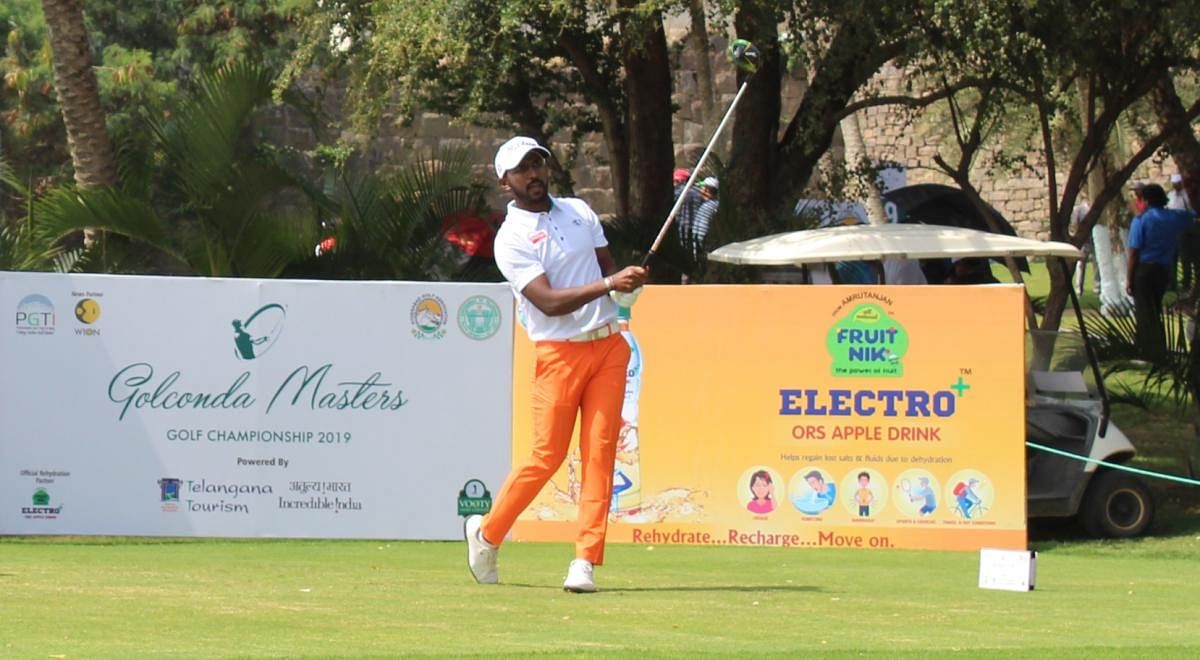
705	85
78	94
1181	141
75	82
756	120
648	91
612	122
856	156
852	58
1109	243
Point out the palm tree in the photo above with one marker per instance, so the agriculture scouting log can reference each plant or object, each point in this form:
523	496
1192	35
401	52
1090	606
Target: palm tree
404	227
209	197
75	82
20	248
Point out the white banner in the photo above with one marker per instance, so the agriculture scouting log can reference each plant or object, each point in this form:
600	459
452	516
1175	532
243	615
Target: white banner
238	407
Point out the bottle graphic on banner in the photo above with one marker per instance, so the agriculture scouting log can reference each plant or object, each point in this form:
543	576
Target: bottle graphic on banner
627	472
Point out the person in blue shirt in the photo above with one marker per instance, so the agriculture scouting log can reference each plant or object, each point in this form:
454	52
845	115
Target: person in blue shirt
1153	242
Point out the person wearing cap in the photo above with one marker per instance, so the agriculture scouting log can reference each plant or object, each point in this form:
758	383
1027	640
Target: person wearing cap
702	220
553	252
1178	197
1153	242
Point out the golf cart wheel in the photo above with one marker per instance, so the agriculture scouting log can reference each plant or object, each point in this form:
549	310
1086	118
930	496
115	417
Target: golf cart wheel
1117	505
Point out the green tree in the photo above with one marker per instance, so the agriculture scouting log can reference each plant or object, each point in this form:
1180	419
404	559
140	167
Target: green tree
145	55
213	197
1095	71
20	247
31	129
537	68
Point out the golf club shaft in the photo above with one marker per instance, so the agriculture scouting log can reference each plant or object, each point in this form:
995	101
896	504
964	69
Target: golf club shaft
695	172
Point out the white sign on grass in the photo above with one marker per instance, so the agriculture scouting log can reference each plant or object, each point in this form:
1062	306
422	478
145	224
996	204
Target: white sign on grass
238	407
1009	570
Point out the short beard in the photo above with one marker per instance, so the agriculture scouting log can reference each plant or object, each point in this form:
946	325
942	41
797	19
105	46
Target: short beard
524	199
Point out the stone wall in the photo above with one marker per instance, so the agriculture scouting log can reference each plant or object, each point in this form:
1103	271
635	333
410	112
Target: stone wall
886	133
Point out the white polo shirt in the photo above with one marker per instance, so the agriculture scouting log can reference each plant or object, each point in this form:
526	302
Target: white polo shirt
561	244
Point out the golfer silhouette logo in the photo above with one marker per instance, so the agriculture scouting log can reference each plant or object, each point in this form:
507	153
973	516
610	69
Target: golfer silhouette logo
253	337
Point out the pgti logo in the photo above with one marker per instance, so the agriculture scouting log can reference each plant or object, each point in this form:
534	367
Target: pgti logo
255	335
867	342
35	315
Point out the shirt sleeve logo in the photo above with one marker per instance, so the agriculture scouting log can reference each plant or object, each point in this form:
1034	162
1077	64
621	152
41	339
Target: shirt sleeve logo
538	236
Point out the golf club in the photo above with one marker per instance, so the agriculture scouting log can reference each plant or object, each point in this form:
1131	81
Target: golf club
744	56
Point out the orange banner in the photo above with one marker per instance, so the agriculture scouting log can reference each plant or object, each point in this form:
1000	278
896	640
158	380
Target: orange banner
811	416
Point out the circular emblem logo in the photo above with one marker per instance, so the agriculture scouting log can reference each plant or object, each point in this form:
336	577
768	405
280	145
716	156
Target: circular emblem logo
428	316
87	311
479	317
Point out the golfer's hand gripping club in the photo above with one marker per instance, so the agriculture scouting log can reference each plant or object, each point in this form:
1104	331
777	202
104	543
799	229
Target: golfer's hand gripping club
744	56
627	279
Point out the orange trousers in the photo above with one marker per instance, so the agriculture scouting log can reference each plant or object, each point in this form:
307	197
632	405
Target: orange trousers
571	378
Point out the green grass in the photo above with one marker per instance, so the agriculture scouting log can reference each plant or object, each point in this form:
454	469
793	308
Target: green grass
200	598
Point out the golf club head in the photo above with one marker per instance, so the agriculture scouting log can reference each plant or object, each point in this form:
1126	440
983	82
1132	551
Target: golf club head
743	55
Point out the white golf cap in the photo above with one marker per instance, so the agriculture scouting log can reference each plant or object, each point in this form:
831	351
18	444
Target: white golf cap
712	182
1176	178
510	154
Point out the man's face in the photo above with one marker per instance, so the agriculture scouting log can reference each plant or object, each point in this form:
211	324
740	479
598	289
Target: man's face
527	181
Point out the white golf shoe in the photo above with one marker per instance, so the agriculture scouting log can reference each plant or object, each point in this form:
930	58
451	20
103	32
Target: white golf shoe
481	555
579	577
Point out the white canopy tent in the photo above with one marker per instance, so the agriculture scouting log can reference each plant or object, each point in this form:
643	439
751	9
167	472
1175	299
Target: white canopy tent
878	242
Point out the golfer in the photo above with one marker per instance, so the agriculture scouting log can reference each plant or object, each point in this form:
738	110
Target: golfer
554	255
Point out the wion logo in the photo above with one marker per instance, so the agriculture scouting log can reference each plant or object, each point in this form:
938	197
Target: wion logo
867	342
87	312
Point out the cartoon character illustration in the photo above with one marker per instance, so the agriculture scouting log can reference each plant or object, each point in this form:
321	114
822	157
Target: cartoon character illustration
821	496
923	492
762	490
967	497
864	497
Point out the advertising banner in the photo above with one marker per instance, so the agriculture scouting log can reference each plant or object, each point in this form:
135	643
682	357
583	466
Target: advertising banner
811	416
239	407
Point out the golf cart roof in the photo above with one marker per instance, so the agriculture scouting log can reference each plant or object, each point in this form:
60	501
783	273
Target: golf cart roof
876	242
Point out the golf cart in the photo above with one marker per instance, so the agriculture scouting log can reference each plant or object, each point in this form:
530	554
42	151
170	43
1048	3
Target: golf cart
1066	404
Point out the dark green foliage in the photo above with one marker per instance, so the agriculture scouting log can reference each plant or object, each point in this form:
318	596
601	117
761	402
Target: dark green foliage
208	196
395	228
1170	376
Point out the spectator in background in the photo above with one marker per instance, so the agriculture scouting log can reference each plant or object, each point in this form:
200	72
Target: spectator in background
1189	241
1153	242
1087	248
702	220
687	210
971	270
1178	198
